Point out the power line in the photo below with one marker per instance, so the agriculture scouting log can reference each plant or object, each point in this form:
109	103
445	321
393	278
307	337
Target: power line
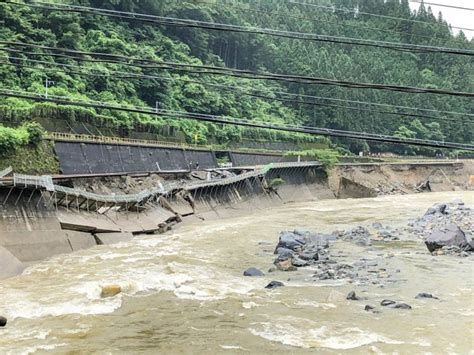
443	5
170	21
298	96
253	74
252	92
239	122
357	12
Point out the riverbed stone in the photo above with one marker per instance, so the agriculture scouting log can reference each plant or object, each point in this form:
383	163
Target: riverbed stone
285	265
401	306
274	284
253	272
110	290
352	296
359	236
426	295
3	321
451	235
387	303
310	256
298	262
290	240
284	253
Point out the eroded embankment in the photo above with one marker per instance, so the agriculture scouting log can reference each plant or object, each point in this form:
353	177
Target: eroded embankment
37	224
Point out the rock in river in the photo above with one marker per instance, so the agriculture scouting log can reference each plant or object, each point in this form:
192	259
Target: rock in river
451	235
291	241
253	272
387	302
352	296
285	265
402	306
3	322
110	290
426	295
275	284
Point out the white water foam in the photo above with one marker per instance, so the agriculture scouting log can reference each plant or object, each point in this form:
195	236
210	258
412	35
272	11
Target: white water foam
316	337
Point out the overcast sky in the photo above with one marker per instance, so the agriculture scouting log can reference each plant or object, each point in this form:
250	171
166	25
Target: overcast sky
456	17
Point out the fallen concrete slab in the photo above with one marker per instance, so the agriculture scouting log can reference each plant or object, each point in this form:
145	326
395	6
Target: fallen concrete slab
80	240
9	265
87	222
35	245
113	238
148	221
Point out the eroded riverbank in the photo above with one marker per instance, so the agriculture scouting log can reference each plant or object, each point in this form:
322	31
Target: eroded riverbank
184	291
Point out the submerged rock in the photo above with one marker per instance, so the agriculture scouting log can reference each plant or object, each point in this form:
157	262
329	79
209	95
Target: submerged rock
387	303
253	272
3	321
274	284
110	290
352	296
451	235
401	306
426	295
368	308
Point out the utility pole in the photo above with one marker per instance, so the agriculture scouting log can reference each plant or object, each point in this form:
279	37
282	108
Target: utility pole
157	106
47	83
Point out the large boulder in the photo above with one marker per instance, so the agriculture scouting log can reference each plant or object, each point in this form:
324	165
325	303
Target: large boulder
3	321
439	208
451	235
291	241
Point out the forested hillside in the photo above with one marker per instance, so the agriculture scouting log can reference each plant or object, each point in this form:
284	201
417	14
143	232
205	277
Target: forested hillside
188	91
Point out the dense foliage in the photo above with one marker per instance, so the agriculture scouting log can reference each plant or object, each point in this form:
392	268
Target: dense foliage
327	157
30	133
244	51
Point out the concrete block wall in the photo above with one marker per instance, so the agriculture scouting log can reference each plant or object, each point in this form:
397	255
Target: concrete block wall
95	158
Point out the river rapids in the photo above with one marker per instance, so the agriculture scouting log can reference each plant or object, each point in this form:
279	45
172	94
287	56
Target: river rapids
184	292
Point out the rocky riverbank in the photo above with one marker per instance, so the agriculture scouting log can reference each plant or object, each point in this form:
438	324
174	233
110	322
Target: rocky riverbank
446	229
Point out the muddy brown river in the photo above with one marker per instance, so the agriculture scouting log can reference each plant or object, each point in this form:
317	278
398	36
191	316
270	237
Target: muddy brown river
184	292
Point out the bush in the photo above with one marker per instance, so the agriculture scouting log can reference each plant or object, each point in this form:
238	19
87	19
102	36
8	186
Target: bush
327	157
13	138
35	132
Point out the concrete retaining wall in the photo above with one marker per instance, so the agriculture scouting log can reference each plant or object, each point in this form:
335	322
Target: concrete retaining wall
95	158
251	159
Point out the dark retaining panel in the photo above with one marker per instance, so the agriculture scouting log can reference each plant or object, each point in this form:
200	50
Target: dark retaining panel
95	158
251	159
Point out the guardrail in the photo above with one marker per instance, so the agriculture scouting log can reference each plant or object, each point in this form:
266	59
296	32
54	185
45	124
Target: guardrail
76	137
59	136
46	182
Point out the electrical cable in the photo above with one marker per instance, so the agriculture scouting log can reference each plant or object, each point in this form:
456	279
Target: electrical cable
253	74
241	90
239	122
